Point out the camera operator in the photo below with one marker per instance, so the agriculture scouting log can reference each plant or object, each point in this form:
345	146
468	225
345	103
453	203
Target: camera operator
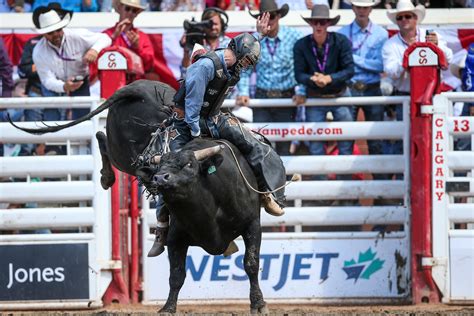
211	36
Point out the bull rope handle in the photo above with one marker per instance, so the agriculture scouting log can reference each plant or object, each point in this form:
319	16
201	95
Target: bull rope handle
294	178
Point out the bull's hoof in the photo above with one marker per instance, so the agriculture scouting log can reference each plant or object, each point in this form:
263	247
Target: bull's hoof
167	310
263	310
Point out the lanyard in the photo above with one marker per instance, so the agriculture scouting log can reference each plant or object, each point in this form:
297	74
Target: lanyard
61	55
367	33
125	38
322	66
405	42
273	49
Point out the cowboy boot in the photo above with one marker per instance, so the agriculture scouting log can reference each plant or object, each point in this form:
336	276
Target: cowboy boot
271	206
159	243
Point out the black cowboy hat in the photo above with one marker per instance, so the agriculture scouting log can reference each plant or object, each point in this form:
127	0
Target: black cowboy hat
321	12
271	6
65	15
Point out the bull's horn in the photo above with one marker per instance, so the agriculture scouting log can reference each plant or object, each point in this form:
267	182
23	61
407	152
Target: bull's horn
156	159
207	152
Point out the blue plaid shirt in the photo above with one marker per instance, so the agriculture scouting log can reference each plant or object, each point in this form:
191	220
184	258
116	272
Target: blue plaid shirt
275	72
366	50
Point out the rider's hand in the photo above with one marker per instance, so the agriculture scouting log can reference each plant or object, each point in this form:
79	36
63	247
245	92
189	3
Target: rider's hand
242	100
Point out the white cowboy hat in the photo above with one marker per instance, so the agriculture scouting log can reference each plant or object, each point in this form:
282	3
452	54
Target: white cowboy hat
406	6
365	3
133	3
51	18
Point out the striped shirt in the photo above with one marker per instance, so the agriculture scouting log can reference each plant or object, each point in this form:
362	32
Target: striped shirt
275	69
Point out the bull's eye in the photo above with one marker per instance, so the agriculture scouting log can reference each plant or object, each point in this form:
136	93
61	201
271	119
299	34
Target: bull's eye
189	164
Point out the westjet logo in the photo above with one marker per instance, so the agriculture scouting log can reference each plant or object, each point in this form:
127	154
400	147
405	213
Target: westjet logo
284	267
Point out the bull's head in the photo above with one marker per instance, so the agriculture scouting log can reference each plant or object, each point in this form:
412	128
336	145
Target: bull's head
177	170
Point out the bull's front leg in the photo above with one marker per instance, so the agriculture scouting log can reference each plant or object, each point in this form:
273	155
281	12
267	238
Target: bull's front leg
177	250
252	239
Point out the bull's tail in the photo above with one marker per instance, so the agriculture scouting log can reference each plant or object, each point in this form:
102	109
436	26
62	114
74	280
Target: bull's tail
120	94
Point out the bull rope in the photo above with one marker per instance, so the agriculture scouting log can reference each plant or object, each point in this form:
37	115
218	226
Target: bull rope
294	178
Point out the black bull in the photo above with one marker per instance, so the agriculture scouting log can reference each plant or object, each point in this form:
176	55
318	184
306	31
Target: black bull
210	204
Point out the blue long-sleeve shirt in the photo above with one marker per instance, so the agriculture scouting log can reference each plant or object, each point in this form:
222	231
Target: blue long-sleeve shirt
275	68
367	46
340	65
198	77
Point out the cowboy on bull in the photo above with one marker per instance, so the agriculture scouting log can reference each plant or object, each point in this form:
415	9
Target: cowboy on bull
197	113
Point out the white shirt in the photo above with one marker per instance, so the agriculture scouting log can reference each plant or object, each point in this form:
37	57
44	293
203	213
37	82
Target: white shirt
55	65
392	55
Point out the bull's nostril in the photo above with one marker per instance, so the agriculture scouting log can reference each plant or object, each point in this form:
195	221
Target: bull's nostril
161	178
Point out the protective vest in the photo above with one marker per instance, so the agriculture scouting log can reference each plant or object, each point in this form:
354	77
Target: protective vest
216	91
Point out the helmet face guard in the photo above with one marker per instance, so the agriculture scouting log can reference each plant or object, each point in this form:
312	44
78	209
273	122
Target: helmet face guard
247	51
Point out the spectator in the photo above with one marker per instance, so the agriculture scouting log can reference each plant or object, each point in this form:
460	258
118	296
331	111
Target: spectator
154	5
325	74
275	71
69	5
310	3
464	70
367	40
214	37
407	17
17	6
240	5
27	70
182	5
6	89
126	35
62	55
6	72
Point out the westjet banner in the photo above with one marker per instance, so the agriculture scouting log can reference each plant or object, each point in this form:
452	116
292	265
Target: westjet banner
292	268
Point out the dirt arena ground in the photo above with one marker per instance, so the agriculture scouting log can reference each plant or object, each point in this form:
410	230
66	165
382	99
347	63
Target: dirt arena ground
275	309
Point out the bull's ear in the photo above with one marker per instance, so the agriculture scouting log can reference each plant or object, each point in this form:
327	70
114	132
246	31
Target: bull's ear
210	165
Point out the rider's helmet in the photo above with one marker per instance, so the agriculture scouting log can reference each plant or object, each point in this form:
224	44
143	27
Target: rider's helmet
246	49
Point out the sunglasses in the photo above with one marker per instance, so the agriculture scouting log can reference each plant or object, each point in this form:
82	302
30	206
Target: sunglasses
321	22
404	16
134	10
53	32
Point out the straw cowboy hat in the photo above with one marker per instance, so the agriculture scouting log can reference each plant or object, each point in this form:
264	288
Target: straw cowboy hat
133	3
321	12
270	6
406	6
365	3
51	18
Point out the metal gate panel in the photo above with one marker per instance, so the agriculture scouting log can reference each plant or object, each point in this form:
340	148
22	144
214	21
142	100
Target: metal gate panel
453	233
